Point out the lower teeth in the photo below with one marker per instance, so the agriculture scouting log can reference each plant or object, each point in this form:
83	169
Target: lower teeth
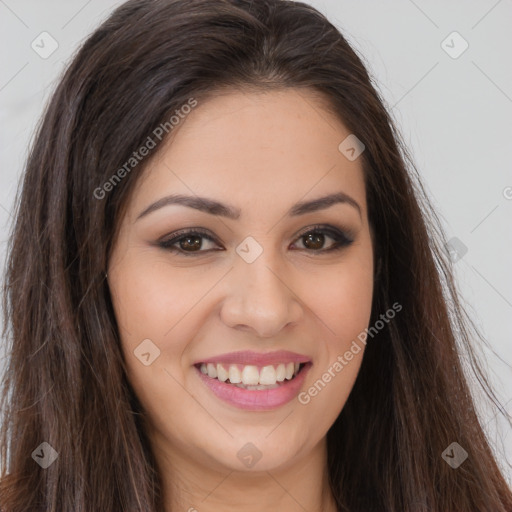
255	387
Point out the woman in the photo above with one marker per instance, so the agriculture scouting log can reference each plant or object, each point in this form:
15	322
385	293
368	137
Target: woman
226	291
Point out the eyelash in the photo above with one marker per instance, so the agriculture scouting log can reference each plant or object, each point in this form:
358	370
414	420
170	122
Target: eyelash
341	240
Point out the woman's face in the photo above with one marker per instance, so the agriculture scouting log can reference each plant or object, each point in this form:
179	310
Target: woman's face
273	281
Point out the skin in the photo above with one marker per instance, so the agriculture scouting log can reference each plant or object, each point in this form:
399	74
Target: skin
261	153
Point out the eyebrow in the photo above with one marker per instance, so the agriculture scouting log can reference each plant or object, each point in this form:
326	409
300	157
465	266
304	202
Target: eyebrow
213	207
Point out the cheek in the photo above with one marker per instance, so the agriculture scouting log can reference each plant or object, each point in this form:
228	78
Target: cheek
150	299
166	305
146	309
328	388
344	308
151	306
341	298
344	305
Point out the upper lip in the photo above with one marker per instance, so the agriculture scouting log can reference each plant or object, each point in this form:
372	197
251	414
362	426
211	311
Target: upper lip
248	357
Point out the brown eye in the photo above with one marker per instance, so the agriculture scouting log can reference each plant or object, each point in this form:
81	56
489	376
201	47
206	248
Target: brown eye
188	242
314	239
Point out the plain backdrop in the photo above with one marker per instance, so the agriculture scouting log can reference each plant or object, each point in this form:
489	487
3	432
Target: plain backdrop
443	69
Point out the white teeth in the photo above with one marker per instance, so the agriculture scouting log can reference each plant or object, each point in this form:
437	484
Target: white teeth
268	375
212	370
234	374
250	375
280	373
222	373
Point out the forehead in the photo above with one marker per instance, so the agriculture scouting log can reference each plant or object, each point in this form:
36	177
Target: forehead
238	146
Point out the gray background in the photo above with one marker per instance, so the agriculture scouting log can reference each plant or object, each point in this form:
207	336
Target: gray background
454	114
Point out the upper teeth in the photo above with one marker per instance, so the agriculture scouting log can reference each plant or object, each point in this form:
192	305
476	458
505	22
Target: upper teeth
249	374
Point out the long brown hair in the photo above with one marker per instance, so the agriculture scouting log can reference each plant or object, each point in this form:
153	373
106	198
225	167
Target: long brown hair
65	382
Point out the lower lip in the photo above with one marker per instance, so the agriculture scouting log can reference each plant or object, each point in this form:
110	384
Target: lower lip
256	400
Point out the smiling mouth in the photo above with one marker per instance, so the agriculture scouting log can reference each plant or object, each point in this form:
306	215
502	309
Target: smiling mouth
252	377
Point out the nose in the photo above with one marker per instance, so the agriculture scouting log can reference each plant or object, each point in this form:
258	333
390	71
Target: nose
260	298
